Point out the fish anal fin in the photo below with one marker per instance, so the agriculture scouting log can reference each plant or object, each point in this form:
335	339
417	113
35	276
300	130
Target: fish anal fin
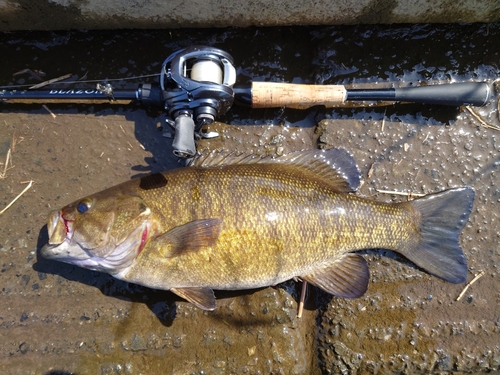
347	277
190	237
203	298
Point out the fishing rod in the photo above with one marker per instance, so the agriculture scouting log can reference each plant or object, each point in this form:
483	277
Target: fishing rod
197	85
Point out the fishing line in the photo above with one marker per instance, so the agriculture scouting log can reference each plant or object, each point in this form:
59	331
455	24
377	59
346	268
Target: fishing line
86	81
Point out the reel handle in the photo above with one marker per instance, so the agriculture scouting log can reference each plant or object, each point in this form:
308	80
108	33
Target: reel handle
183	144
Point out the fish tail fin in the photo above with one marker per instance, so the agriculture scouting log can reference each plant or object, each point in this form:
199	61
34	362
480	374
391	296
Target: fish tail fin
443	215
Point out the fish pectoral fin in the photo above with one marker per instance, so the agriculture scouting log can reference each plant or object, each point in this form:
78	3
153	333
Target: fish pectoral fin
347	277
193	236
203	298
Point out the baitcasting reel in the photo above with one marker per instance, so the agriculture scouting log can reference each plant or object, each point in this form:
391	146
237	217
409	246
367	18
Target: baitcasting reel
197	86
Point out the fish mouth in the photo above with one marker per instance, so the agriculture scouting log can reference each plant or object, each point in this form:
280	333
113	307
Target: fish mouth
61	248
60	234
60	230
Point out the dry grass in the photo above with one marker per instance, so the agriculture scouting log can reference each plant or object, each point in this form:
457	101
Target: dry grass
477	277
8	160
30	183
480	120
409	194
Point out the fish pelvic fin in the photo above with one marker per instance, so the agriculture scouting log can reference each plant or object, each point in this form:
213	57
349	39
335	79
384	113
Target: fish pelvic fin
443	215
201	297
335	166
347	277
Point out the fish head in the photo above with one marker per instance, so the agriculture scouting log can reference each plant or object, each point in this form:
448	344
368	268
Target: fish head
101	232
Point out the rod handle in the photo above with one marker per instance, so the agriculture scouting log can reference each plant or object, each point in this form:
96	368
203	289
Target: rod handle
298	96
454	94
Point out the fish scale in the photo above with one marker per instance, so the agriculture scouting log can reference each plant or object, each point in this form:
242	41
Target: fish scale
248	222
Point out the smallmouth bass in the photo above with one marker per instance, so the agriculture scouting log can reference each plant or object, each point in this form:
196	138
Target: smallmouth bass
235	223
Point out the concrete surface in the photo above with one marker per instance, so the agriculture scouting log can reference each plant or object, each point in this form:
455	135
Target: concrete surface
157	14
57	317
60	319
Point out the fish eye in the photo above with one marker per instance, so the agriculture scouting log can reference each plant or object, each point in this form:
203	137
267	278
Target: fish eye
83	206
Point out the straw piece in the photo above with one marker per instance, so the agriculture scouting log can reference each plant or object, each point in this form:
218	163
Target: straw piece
45	83
478	276
410	194
481	121
302	299
16	198
370	171
48	110
6	167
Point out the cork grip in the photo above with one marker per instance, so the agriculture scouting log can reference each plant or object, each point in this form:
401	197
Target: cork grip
298	96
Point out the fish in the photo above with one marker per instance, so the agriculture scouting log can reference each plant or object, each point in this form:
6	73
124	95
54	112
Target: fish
243	222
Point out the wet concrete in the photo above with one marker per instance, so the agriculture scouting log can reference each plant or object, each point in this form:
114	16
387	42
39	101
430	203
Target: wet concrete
56	317
410	322
151	14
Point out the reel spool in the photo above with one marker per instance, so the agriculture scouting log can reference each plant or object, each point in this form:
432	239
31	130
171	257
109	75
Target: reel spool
206	70
197	86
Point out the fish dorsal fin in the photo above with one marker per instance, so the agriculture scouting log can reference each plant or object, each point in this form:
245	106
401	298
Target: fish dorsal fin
335	166
201	297
192	236
347	277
